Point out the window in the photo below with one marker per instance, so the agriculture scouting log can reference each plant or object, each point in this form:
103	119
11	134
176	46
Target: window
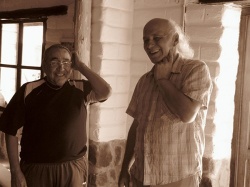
21	48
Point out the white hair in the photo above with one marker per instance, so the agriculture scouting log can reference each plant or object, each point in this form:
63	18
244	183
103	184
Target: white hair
183	47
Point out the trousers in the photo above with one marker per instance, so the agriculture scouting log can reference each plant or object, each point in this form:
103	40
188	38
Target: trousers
69	174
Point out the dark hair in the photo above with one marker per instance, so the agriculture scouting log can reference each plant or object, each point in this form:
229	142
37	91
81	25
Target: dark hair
54	46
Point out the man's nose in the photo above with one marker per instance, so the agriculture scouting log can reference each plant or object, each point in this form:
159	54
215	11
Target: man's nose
61	66
150	44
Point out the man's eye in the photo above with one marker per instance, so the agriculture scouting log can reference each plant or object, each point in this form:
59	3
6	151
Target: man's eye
157	38
145	41
54	62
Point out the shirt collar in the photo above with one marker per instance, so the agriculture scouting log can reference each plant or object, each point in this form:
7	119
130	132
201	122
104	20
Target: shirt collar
177	66
52	86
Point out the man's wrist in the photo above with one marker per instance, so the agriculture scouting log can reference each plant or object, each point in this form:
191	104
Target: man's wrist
15	170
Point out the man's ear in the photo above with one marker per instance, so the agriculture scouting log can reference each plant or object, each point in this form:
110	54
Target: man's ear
73	58
175	39
44	67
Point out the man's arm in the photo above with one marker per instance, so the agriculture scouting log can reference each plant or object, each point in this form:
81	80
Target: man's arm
124	178
99	85
178	103
17	177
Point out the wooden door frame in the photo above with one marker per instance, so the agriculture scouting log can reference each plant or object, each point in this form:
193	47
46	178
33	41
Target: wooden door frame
82	45
241	131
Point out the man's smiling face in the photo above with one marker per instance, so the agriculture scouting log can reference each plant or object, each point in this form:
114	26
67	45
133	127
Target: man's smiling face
57	66
158	40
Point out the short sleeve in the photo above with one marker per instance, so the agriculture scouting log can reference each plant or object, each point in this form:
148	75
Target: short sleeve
132	107
90	96
13	116
198	84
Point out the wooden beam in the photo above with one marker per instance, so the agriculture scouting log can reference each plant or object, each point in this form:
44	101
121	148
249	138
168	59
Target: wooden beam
34	12
216	1
82	42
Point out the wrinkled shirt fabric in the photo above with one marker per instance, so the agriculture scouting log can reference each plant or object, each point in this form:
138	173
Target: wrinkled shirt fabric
168	150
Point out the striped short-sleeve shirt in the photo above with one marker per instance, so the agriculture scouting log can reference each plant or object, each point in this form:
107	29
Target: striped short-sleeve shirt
166	149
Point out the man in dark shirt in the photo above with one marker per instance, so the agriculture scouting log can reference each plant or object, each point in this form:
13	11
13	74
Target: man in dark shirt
52	112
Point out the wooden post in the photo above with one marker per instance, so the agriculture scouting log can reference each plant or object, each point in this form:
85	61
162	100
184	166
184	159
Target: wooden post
82	40
83	30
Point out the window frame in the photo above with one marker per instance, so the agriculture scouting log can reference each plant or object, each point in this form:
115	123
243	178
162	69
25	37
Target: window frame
19	67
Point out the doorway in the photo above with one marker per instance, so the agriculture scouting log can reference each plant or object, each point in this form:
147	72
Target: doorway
240	165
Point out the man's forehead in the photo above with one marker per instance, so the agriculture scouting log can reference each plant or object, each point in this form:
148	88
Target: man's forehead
154	32
157	26
58	52
54	49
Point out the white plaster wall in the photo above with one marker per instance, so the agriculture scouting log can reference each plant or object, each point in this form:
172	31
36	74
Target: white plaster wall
110	57
60	28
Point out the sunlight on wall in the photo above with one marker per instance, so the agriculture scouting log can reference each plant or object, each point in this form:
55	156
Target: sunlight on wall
228	61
